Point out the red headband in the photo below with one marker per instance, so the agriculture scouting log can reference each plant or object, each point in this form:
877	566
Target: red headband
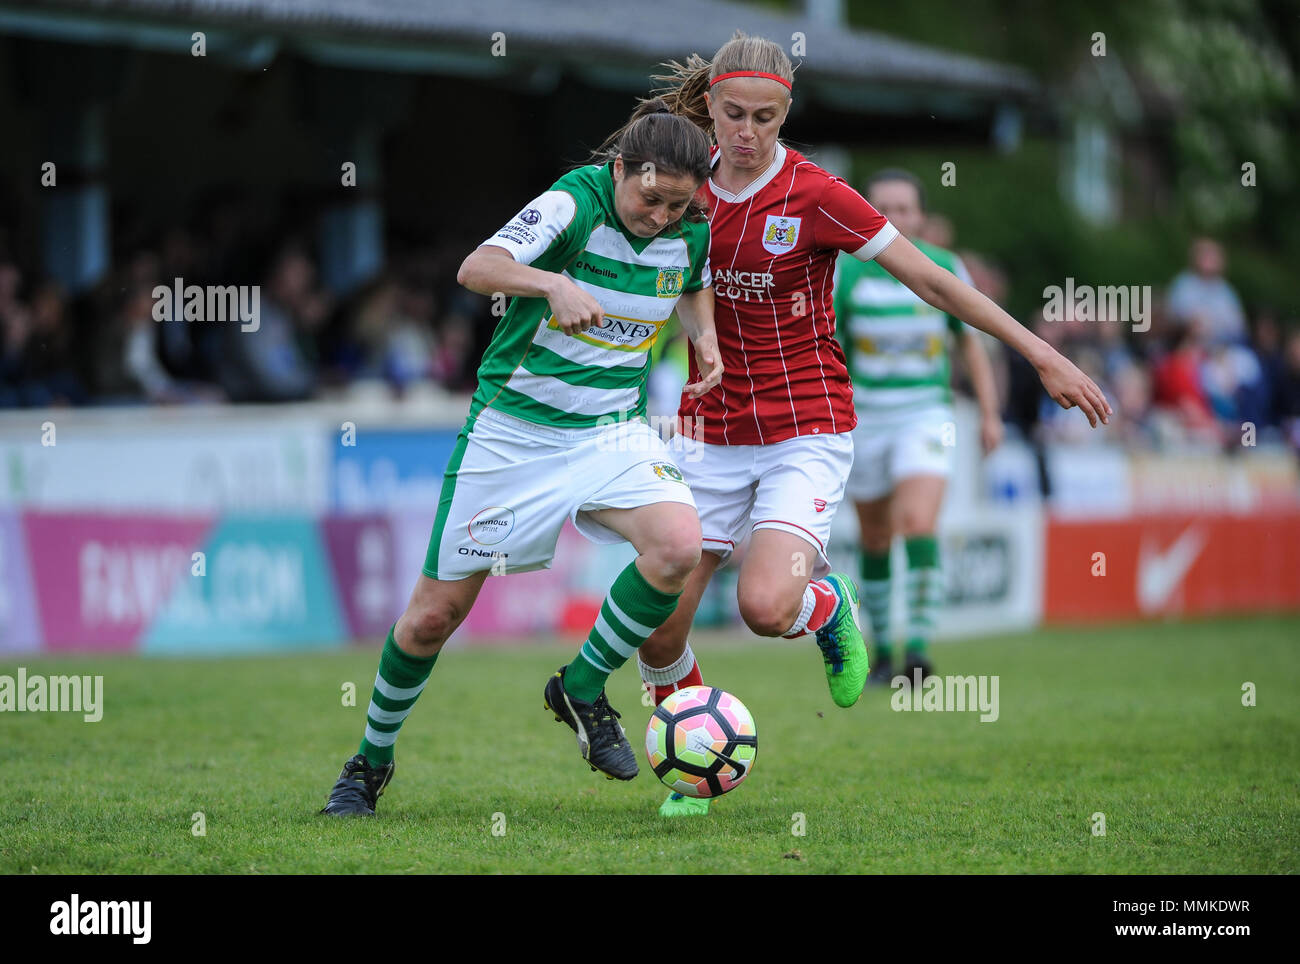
751	73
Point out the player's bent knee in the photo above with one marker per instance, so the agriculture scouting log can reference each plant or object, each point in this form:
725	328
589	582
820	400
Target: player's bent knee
674	555
678	558
766	614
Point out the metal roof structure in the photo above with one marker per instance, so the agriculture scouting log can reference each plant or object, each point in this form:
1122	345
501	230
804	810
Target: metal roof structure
612	44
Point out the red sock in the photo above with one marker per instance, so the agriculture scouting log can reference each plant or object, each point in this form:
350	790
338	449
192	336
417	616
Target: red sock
693	678
827	601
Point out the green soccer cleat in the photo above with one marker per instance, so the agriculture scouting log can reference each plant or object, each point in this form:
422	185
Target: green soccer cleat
843	649
680	805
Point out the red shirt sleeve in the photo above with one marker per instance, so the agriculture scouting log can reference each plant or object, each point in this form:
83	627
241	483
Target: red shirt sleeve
847	222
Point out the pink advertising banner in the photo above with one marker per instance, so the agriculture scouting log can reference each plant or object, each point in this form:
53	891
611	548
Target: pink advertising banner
100	580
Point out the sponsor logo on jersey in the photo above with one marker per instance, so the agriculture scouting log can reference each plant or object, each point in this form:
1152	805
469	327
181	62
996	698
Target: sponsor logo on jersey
491	525
742	285
780	233
668	472
622	334
596	269
669	282
518	233
482	553
819	505
530	216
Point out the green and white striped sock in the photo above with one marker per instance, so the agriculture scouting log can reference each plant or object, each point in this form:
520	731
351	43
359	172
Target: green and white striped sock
924	591
876	593
398	684
632	611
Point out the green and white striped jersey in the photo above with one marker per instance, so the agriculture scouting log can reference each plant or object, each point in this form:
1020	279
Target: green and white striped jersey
895	344
534	371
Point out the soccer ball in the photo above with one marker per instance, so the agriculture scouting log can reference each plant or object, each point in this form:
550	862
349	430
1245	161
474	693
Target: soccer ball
701	742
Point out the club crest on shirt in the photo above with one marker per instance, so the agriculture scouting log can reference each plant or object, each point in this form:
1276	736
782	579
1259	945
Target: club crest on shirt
780	233
669	283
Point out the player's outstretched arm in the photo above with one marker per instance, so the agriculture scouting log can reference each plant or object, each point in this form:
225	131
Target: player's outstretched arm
695	311
490	270
1062	380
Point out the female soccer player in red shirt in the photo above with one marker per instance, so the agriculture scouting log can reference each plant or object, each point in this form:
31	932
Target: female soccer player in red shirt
767	455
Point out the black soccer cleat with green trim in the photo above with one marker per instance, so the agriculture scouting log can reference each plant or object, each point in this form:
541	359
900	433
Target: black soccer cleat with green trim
602	740
358	788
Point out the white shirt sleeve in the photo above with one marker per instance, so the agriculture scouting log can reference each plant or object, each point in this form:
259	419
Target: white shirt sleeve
884	237
530	232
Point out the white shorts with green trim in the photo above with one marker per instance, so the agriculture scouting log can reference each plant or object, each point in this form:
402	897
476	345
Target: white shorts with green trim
510	485
888	450
794	486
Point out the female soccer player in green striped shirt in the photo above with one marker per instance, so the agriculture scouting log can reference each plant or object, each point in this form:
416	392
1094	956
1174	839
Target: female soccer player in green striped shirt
594	267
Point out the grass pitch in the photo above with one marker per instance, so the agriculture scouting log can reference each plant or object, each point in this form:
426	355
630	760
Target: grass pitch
1144	724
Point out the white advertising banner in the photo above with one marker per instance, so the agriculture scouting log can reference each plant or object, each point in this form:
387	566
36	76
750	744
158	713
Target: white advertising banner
76	461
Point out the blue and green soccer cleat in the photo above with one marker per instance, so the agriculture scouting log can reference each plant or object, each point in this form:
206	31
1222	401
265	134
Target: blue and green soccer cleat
843	649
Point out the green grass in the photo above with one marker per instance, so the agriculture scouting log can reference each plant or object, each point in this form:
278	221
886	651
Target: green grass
1142	723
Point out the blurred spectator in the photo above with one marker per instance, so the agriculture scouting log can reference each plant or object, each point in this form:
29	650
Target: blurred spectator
1178	391
1201	293
1131	401
1287	402
455	347
938	230
15	326
409	347
985	276
143	371
1267	342
1234	384
47	363
269	364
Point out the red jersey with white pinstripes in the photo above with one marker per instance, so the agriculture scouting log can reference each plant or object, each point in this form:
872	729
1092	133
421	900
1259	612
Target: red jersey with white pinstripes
773	248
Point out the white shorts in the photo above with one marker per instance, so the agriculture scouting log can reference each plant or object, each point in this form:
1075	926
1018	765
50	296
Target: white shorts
794	486
510	485
889	451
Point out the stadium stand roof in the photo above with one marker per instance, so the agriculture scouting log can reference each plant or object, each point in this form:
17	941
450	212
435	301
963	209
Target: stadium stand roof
612	43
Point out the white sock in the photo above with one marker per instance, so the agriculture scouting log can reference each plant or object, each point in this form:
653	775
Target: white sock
801	621
670	674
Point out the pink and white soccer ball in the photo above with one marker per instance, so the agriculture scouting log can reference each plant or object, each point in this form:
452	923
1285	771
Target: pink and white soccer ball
701	741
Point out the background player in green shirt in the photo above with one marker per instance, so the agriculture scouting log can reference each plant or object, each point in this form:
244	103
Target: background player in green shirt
557	431
896	347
